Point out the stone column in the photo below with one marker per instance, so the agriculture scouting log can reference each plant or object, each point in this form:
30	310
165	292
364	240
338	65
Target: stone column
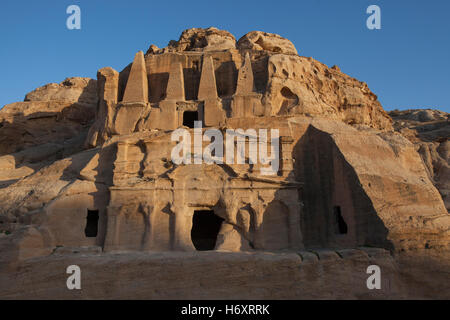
120	165
286	161
137	84
166	118
246	102
175	85
183	219
112	228
258	239
207	88
182	236
295	233
135	98
245	82
213	113
107	92
147	211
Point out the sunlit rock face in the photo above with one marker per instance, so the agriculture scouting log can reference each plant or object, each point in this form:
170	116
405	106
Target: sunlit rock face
429	131
88	163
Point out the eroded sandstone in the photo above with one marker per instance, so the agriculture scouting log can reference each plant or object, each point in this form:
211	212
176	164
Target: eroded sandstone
91	168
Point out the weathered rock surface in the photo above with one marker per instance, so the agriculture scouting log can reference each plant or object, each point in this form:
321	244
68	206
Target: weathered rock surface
257	40
51	124
299	85
89	175
107	92
81	90
429	131
325	274
198	39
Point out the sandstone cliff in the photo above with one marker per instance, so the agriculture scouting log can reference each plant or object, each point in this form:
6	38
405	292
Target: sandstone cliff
347	181
429	131
50	124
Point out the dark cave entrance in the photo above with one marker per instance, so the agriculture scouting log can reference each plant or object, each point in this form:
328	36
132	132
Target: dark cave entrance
91	229
341	225
189	117
205	228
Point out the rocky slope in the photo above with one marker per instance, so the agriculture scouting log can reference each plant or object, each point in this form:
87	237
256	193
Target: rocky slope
429	131
51	124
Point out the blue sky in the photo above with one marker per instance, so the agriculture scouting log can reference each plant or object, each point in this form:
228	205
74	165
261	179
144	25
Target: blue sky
406	63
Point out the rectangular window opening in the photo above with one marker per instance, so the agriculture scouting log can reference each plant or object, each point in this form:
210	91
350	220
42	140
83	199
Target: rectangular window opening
189	117
91	229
